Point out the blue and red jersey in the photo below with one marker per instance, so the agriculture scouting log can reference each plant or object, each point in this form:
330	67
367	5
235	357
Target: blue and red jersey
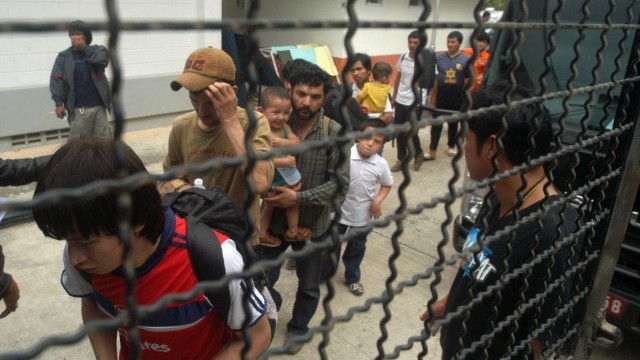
180	330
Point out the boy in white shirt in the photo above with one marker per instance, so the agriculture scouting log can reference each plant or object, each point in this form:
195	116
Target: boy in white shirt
368	170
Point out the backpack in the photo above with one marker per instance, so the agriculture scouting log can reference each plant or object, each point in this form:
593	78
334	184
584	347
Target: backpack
331	108
203	210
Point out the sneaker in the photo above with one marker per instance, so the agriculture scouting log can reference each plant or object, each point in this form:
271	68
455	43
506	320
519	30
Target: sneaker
397	166
417	162
452	151
356	289
429	156
290	264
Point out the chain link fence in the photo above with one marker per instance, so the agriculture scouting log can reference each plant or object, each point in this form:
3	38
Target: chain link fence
580	57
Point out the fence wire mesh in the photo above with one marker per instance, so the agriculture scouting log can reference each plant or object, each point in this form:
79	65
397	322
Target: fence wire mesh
591	94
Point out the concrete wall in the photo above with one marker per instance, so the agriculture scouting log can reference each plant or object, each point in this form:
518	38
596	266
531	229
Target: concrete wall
149	59
371	41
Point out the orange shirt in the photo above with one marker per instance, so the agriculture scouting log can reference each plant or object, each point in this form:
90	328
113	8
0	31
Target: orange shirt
478	66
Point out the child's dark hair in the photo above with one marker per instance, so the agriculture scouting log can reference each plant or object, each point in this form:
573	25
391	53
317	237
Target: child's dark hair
273	92
83	161
374	123
381	70
523	121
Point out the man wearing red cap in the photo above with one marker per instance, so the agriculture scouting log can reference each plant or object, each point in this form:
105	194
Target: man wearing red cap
217	128
79	87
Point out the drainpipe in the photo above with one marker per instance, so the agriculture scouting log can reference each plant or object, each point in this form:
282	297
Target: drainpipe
434	30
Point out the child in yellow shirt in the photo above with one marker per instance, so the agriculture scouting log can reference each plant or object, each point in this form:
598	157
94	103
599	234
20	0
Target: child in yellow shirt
374	94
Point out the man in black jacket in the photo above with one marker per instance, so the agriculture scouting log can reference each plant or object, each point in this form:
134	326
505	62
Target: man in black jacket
13	173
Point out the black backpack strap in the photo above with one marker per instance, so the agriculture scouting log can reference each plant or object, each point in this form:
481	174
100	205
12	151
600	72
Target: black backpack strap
205	253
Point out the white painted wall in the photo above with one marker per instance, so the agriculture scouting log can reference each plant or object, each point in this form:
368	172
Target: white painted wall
151	58
372	41
26	59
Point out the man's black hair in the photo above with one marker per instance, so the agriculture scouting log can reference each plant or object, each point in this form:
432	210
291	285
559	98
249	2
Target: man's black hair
364	59
457	35
486	13
483	36
312	76
273	92
417	34
83	161
294	67
526	123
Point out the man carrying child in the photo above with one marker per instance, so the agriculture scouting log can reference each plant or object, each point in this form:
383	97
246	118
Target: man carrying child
275	104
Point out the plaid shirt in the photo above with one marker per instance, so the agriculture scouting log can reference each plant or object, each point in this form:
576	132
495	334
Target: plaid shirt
319	182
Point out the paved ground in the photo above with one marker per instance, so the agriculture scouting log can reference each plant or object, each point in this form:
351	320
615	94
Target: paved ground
46	310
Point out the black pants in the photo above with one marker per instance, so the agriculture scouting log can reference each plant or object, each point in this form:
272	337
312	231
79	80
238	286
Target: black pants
452	131
308	272
402	115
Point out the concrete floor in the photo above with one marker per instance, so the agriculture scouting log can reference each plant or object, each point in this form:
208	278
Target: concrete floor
46	310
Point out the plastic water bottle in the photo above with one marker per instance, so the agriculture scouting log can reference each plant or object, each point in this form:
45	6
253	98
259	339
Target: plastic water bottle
198	183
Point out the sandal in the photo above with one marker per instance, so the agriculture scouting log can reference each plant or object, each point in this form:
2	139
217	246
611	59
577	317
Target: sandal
428	157
303	234
269	241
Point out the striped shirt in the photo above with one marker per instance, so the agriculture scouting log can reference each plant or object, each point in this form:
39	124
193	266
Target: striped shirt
319	181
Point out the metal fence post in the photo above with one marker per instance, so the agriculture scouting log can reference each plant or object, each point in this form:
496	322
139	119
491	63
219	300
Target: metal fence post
625	196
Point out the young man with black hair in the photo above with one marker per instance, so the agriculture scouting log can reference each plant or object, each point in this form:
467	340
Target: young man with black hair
93	263
448	91
480	64
404	99
492	256
79	86
217	128
320	179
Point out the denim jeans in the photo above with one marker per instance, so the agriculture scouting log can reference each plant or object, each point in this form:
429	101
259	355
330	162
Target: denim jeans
352	257
308	272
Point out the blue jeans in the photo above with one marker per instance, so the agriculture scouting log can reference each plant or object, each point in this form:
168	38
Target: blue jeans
308	272
353	254
352	257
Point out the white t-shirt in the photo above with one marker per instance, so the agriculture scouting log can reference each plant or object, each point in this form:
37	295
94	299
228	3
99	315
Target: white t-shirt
365	176
404	93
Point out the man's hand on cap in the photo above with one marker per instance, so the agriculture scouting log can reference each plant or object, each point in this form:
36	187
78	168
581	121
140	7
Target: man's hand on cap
225	102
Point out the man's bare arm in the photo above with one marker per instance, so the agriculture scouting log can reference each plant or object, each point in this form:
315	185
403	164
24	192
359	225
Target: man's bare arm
103	342
260	335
